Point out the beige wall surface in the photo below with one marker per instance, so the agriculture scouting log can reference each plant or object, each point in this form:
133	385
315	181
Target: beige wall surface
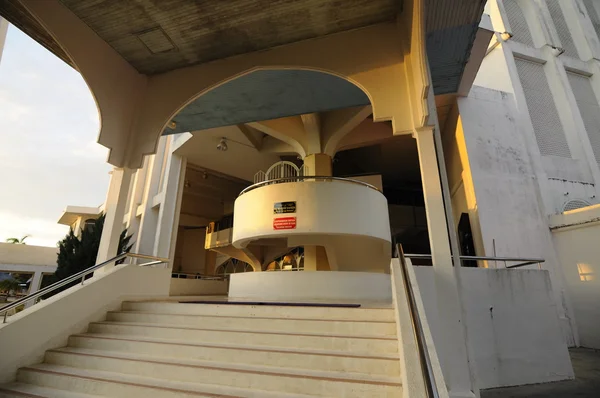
513	329
576	236
197	287
26	254
193	256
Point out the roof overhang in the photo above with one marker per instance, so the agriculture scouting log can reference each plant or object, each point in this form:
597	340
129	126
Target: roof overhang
155	40
72	213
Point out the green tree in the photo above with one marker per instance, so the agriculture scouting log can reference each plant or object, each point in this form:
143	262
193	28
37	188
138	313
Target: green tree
76	254
17	241
9	285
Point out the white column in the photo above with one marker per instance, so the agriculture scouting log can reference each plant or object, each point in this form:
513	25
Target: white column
451	340
114	208
34	286
144	244
168	216
3	30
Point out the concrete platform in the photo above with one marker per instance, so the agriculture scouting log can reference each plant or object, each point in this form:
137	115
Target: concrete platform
586	363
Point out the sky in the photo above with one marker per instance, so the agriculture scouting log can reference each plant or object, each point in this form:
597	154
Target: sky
49	157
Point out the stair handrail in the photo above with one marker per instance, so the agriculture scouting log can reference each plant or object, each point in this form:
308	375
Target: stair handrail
417	326
80	275
522	261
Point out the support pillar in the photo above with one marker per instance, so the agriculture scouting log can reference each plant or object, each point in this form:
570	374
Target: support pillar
114	208
168	215
315	257
451	338
148	224
318	164
35	285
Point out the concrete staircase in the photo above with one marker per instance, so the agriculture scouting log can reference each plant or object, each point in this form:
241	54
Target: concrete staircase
162	349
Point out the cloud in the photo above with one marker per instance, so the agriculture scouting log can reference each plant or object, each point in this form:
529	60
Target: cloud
49	157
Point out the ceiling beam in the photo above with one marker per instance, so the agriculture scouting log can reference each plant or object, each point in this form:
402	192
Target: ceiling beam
254	136
287	129
338	123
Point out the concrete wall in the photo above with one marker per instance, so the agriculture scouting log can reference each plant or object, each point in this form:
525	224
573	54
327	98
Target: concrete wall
505	190
576	236
350	220
313	285
193	254
197	287
27	254
27	335
512	325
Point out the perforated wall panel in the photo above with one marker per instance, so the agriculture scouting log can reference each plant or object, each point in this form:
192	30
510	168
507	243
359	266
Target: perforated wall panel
593	13
588	107
575	204
518	24
548	130
562	28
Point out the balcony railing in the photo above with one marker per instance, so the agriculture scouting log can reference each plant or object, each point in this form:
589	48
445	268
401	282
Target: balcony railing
284	180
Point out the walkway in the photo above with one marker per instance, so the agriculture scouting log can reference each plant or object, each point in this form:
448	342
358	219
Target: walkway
586	363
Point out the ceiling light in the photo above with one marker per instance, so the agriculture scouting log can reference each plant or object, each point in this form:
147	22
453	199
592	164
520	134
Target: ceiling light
222	144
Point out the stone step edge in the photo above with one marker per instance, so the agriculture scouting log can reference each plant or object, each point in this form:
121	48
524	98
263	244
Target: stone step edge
8	390
108	380
248	317
252	331
238	347
34	391
254	306
340	377
200	389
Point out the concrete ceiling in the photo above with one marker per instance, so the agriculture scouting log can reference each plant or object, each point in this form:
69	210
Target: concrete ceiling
159	36
241	160
265	95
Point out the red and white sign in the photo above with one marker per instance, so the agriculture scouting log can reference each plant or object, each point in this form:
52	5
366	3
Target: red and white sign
284	223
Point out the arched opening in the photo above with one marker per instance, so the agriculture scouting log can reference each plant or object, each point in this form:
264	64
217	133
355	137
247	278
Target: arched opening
262	126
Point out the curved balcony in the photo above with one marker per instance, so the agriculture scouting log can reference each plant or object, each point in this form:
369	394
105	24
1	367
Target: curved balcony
349	218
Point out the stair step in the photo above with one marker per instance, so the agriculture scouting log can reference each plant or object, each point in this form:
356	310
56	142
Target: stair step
372	344
22	390
323	360
305	381
119	385
296	325
263	311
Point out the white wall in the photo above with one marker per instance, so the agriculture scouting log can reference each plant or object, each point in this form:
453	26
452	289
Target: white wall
493	72
28	334
512	325
576	235
512	217
289	285
350	220
27	254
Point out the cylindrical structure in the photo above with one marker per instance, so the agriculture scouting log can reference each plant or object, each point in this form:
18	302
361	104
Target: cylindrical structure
349	219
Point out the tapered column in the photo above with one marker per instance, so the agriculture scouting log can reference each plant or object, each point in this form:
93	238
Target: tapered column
34	286
114	208
451	339
168	216
315	257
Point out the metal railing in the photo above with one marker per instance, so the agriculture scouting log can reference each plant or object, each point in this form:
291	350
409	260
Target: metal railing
417	326
80	275
521	261
184	275
306	178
